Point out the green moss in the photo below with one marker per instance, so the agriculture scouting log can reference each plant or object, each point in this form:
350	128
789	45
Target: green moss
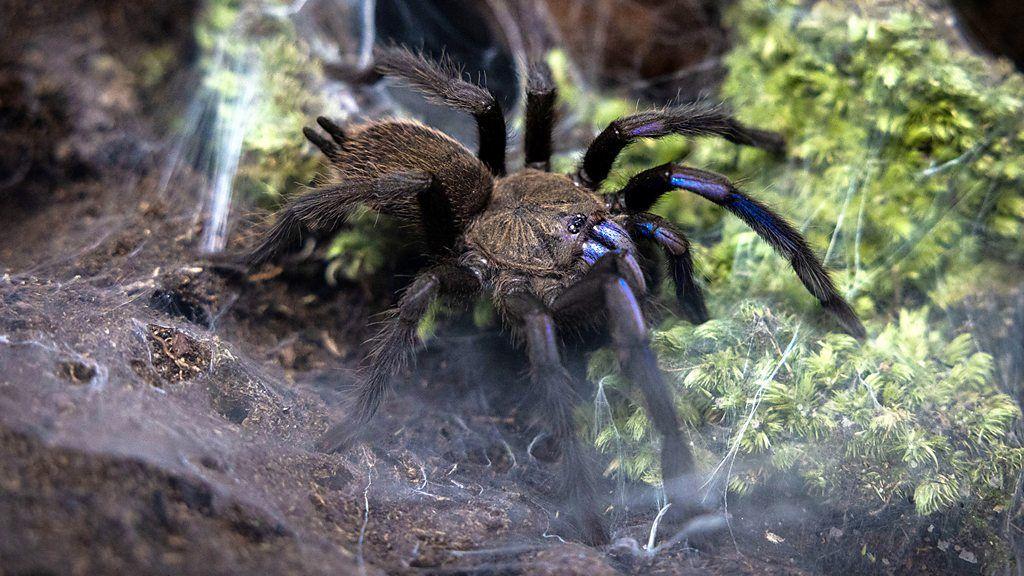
905	150
904	169
363	248
907	413
153	66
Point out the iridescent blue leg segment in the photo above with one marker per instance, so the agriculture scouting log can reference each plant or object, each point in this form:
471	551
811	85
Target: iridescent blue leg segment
605	284
611	234
593	251
689	120
689	296
607	237
644	189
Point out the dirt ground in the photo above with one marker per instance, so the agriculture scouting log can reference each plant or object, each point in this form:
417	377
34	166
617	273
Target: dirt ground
158	411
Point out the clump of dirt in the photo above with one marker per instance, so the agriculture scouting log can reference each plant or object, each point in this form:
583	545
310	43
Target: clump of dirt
176	356
76	372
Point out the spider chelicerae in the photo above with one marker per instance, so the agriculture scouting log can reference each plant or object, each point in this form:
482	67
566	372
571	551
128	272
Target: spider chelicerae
550	251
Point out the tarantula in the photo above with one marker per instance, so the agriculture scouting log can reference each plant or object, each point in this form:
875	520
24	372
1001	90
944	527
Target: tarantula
548	249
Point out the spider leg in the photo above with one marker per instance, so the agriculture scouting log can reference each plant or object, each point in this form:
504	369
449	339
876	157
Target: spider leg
649	256
689	120
540	116
606	283
394	346
337	132
322	210
442	83
329	148
644	189
437	219
689	296
559	399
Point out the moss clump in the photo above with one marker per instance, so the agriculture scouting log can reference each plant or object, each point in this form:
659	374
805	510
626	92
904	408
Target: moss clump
905	167
907	413
277	159
906	151
365	247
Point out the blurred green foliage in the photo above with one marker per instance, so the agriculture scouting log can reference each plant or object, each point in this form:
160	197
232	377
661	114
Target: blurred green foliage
248	50
905	171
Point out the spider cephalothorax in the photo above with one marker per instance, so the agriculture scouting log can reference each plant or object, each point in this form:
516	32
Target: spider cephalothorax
542	231
548	250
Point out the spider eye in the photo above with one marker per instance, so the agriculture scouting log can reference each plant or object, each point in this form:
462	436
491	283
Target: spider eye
576	222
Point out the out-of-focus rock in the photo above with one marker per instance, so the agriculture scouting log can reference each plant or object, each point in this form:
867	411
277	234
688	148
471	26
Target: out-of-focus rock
995	25
74	76
661	49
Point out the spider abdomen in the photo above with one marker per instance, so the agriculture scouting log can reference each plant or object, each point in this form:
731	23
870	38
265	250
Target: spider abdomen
376	149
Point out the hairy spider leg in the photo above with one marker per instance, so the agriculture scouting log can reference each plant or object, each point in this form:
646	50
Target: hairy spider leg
442	83
644	189
650	254
322	210
689	120
329	148
606	283
559	399
541	96
437	219
689	296
336	132
394	346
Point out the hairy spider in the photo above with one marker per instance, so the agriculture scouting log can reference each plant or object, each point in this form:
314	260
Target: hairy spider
548	249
